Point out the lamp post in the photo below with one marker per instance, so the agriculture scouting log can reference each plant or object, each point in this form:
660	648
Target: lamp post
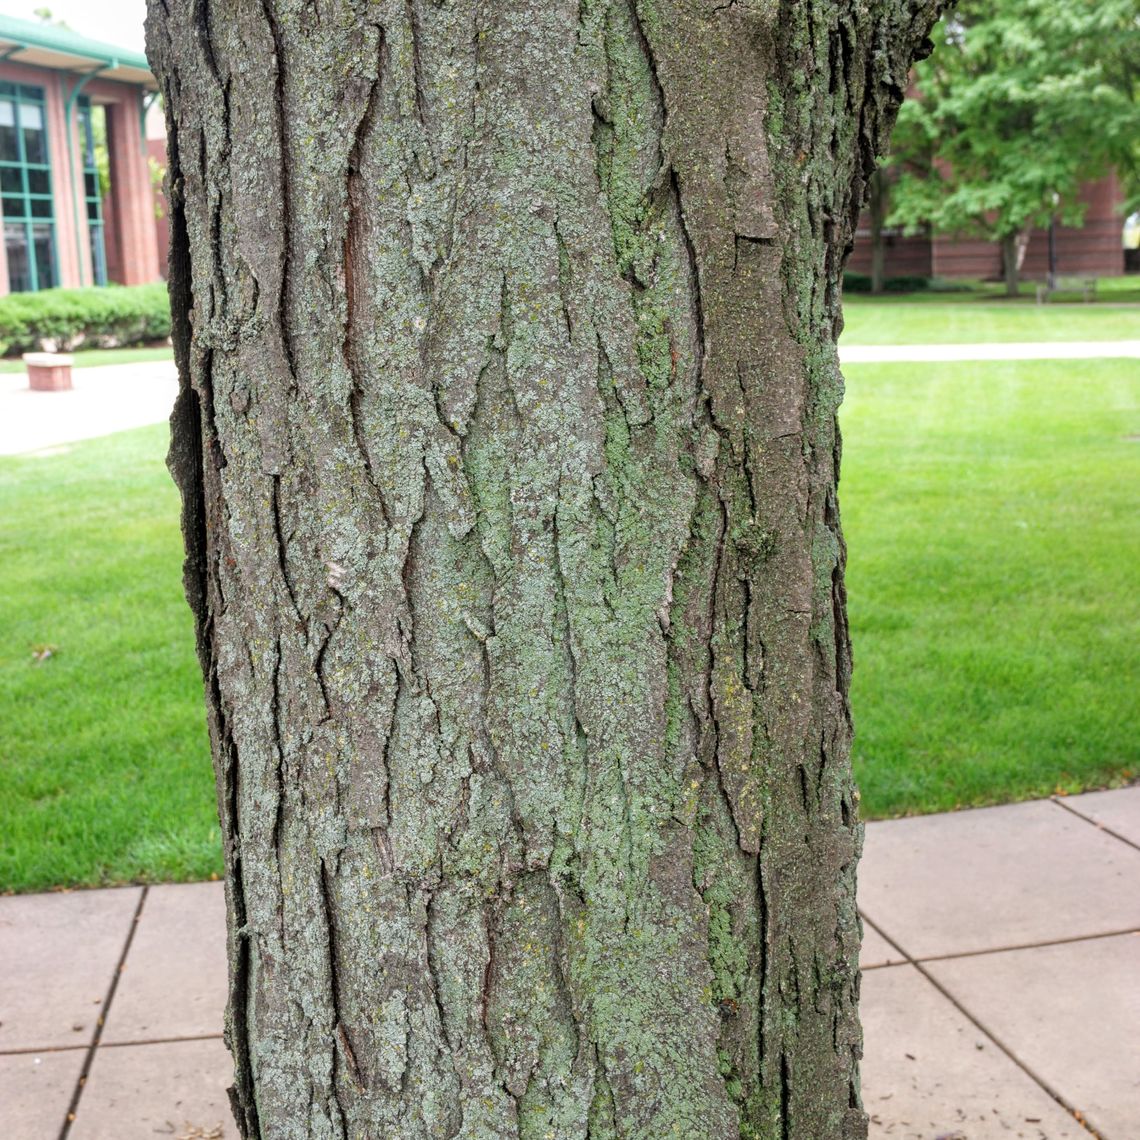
1053	241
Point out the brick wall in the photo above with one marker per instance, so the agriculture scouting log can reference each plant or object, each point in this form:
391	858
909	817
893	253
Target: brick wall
1093	249
902	256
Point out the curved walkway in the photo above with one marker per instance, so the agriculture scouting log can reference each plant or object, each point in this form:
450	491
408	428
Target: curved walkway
1014	350
105	399
117	397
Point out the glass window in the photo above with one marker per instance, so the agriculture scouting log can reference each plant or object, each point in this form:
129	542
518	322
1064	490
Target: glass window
9	143
98	251
19	271
35	146
26	189
35	137
44	239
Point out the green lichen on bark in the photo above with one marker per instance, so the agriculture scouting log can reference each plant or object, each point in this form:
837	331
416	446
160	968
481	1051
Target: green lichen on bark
508	461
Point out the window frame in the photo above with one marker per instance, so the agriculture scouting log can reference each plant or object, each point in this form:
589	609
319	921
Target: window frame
20	95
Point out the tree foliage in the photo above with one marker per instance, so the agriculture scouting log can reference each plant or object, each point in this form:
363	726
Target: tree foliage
1022	101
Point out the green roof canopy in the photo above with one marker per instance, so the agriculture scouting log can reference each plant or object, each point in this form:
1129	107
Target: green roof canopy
48	45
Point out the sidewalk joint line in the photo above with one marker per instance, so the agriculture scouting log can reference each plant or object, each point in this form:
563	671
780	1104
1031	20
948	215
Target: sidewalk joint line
161	1041
998	949
101	1022
1094	822
27	1052
1076	1113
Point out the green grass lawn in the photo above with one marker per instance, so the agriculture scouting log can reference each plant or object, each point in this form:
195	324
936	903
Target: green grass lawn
104	768
981	314
93	357
991	516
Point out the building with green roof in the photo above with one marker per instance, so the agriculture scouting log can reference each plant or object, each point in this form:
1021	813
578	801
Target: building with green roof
75	189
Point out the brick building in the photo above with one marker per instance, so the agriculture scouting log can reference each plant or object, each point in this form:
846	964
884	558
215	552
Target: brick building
156	156
63	225
1093	249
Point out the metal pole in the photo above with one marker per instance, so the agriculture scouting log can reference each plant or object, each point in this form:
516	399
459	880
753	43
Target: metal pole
147	103
1053	244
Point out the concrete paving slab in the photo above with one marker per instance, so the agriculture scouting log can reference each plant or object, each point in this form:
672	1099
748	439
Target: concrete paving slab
929	1074
877	951
1071	1013
1118	810
105	399
994	878
35	1092
58	954
138	1092
174	984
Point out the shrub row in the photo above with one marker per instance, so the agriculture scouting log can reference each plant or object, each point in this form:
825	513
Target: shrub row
861	283
64	319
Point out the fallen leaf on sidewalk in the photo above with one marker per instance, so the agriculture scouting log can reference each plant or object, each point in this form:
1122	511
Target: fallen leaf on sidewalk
201	1132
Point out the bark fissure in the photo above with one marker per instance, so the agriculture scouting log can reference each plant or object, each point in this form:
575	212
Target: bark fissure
355	239
281	103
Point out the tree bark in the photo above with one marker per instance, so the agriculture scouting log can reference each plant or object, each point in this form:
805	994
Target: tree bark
508	455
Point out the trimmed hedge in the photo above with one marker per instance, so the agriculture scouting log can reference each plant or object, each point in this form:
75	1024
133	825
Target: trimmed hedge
109	317
861	283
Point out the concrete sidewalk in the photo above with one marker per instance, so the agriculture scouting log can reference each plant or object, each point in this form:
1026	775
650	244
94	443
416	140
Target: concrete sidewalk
105	399
114	398
992	350
1001	988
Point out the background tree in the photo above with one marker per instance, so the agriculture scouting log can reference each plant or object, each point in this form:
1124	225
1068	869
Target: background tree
878	199
1023	101
508	455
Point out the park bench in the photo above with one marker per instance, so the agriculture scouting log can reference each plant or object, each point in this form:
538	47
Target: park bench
48	371
1054	283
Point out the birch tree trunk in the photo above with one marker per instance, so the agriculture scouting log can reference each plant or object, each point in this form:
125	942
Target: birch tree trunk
508	455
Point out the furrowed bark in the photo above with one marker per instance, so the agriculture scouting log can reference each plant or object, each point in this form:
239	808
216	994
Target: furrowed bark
508	455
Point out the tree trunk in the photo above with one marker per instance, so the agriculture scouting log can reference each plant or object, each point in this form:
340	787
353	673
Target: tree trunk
877	208
1011	255
508	455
